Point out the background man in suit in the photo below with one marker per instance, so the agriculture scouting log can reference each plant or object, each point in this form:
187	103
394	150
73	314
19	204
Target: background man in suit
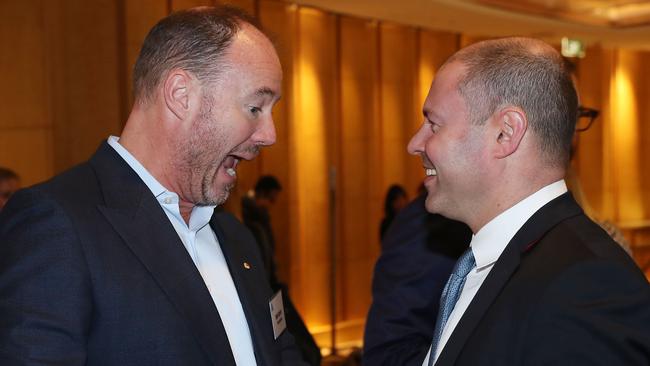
122	260
418	254
545	284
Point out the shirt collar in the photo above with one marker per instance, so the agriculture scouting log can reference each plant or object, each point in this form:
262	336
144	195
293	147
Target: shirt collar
490	241
200	215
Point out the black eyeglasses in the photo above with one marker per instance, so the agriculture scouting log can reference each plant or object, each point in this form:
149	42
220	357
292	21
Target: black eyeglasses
586	117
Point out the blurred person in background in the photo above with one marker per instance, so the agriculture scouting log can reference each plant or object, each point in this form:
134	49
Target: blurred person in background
395	200
9	183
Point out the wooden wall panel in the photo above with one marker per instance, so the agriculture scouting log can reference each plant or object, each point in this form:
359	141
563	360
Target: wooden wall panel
83	41
359	179
641	80
315	97
139	17
25	126
23	100
625	135
398	59
27	151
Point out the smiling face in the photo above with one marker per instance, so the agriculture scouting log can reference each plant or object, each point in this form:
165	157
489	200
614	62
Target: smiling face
452	149
234	120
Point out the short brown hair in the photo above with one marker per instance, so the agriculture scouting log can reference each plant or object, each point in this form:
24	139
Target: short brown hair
526	73
8	174
194	40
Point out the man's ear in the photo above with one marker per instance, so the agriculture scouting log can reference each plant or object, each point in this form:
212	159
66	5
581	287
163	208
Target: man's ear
511	123
176	92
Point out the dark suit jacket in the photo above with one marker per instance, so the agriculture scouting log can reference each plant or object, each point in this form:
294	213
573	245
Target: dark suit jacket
418	254
92	272
562	293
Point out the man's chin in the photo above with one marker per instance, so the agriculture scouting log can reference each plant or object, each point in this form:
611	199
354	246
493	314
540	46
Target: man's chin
430	204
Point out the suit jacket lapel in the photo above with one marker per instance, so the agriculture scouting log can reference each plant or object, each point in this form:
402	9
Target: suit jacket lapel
248	287
554	212
140	221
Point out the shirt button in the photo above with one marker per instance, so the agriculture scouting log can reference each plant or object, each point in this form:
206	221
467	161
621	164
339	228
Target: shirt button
167	200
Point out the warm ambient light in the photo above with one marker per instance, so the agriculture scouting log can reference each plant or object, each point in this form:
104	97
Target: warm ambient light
625	131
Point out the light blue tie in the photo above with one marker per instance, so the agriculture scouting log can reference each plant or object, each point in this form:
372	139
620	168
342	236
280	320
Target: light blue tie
450	295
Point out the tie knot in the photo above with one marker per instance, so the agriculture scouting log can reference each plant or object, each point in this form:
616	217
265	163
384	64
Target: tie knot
465	263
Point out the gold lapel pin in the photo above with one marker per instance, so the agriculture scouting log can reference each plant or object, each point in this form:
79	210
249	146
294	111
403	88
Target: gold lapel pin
246	265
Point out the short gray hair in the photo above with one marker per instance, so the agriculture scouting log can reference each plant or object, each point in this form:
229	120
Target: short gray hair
526	73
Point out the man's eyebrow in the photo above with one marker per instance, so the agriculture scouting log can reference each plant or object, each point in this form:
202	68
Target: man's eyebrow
264	91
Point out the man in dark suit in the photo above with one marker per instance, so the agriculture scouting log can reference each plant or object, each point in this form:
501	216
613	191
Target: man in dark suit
418	254
122	259
541	284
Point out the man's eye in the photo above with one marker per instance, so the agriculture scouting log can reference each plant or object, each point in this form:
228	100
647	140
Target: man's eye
255	110
434	127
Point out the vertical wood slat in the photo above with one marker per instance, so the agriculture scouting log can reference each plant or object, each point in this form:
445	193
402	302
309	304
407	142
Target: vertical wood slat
398	75
85	87
25	104
359	241
314	109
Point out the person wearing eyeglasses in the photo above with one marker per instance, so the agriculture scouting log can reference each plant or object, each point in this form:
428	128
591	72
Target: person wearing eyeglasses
586	118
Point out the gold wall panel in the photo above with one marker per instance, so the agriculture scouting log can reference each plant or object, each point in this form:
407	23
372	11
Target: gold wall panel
28	151
83	40
359	181
399	98
24	65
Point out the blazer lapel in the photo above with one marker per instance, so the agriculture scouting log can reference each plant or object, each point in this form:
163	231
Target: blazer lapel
551	214
140	221
252	294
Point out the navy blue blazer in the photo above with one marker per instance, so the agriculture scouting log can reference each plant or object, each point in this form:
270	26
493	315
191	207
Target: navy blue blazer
418	255
562	293
93	273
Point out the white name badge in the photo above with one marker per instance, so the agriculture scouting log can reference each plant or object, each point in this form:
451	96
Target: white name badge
277	314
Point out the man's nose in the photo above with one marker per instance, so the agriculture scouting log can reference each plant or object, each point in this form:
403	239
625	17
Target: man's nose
416	145
265	135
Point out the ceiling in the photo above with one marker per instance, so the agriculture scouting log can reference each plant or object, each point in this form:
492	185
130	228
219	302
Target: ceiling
608	13
611	23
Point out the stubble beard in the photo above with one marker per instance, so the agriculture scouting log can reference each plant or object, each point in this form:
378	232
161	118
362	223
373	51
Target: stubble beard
203	154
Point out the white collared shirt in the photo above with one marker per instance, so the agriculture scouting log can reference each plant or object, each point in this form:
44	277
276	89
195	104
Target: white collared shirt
203	247
488	244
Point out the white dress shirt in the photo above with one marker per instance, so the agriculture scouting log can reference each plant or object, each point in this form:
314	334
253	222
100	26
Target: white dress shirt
488	244
204	249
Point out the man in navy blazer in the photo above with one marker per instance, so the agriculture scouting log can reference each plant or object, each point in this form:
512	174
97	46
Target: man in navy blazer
546	285
122	259
417	255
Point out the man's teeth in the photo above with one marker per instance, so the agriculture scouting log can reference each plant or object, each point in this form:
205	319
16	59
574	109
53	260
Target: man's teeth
231	172
430	172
